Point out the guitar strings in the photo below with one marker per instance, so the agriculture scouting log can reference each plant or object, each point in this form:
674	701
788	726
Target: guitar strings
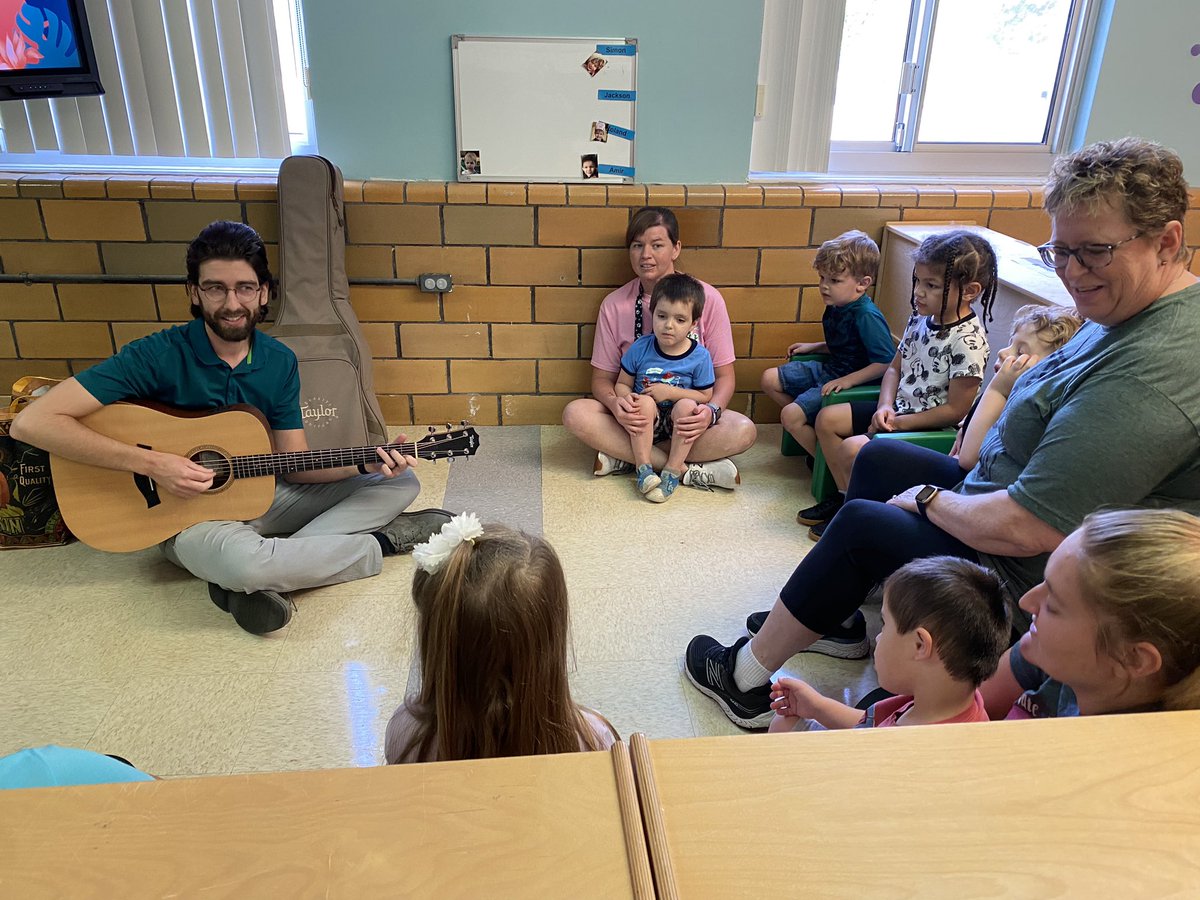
348	456
265	463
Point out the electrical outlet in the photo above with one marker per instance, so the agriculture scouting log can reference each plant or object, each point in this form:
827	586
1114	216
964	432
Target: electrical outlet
435	284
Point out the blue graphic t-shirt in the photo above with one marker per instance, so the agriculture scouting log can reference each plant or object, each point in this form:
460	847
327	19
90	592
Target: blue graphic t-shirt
691	370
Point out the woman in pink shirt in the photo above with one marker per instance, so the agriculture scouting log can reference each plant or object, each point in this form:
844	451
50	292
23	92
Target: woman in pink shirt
603	420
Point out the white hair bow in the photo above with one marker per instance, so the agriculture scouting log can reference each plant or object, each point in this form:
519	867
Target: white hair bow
434	552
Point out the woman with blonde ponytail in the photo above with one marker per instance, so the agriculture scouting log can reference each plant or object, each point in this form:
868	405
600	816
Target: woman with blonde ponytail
1116	623
492	634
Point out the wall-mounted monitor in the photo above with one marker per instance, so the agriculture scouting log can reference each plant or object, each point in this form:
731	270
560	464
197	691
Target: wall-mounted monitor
46	50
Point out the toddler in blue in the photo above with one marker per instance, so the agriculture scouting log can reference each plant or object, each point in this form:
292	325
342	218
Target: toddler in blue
667	374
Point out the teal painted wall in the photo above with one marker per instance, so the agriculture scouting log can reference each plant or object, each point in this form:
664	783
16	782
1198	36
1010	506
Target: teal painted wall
383	89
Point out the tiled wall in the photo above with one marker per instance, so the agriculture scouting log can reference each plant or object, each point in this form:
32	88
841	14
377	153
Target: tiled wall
531	263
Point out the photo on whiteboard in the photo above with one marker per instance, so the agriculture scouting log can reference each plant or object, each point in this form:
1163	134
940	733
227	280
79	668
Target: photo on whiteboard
594	63
468	162
600	132
589	164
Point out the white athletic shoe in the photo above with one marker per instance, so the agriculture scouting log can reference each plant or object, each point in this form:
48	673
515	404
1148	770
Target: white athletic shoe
720	473
610	465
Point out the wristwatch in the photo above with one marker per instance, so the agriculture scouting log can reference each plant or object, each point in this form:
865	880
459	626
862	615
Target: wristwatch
716	411
924	496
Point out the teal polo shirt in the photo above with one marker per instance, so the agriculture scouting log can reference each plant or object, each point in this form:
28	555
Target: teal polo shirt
179	367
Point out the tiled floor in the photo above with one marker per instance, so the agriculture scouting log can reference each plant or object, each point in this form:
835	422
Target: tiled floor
125	653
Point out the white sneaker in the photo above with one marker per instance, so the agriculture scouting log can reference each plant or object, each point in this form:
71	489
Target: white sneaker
610	465
720	473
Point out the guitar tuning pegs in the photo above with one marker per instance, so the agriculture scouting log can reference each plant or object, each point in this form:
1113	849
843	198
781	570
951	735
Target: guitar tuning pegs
432	429
449	426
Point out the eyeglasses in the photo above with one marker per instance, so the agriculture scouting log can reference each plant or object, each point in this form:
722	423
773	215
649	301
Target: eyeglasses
217	292
1090	256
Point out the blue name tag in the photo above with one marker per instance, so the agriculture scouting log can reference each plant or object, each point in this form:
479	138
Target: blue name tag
616	49
618	131
616	95
623	171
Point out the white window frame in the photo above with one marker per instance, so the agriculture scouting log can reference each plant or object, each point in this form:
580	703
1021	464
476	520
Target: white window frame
787	40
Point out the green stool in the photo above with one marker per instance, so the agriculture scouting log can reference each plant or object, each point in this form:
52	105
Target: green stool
789	446
823	485
942	441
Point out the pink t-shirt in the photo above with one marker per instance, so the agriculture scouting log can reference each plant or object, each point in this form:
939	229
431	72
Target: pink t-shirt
614	327
889	710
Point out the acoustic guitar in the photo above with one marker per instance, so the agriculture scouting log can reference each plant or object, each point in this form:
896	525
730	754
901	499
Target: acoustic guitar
119	511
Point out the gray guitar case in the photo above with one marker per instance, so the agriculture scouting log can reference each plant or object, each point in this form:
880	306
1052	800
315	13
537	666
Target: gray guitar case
315	319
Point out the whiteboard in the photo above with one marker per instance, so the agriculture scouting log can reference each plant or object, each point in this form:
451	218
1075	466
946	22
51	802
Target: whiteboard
541	109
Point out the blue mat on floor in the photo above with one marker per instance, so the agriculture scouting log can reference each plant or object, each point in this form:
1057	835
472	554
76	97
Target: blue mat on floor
503	481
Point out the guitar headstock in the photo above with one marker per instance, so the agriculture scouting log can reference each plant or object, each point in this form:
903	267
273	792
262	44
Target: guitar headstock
453	441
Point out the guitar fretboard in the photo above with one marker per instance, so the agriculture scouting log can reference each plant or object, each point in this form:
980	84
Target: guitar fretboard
259	465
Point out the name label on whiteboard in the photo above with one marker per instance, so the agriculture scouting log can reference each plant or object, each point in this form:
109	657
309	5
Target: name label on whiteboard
616	49
623	171
616	95
618	131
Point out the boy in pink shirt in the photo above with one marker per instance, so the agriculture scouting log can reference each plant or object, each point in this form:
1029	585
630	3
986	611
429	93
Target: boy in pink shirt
945	626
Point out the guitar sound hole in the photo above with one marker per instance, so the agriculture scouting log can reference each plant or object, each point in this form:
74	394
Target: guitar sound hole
219	464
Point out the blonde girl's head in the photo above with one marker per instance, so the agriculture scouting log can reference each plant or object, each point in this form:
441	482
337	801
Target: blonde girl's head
1052	325
1039	331
492	630
1140	571
966	263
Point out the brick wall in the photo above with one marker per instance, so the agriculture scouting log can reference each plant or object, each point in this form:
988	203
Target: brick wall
531	263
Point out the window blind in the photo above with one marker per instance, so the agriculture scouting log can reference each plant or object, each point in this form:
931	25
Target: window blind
799	62
182	78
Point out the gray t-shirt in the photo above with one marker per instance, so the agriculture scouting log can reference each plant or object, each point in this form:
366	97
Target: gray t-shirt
1111	419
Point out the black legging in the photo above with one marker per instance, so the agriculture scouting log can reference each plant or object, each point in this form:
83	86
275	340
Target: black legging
868	540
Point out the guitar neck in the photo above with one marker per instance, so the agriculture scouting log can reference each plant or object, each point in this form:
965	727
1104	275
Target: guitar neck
258	465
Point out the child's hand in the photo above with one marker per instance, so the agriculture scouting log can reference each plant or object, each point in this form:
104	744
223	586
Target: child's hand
793	697
1012	369
660	392
800	348
958	439
837	384
883	420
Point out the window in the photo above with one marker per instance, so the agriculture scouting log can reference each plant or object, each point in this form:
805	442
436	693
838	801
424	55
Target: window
203	85
940	87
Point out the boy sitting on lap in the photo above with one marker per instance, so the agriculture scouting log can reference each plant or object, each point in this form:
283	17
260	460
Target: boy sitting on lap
667	374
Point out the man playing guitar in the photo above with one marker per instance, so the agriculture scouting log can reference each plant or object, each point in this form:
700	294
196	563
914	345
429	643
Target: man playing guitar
339	522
